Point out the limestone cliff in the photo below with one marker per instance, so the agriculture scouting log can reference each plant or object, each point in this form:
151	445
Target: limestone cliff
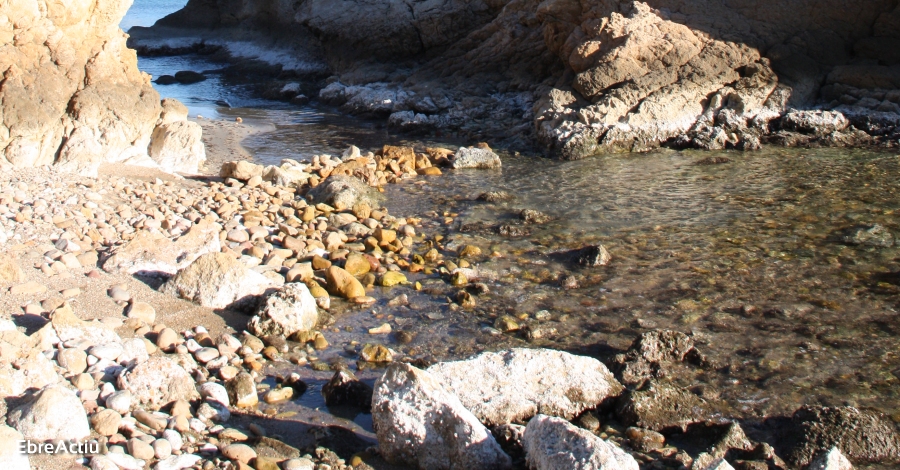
588	76
71	94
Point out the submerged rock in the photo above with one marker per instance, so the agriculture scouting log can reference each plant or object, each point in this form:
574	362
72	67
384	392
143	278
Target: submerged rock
555	444
871	235
592	256
419	423
516	384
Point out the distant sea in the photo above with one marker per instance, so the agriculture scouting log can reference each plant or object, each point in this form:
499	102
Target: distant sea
146	12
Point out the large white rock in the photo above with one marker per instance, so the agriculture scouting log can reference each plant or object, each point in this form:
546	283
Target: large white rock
28	368
217	280
285	312
69	327
419	423
177	462
178	147
555	444
474	157
54	413
516	384
10	457
158	381
153	253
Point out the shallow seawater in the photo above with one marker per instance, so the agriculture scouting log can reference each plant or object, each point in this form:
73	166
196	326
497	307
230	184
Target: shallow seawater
745	255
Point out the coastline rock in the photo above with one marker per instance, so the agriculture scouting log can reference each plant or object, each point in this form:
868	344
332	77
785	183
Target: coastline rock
344	192
151	253
555	444
419	423
660	407
862	435
290	310
177	147
343	284
474	157
345	389
157	381
516	384
55	412
832	459
240	170
217	280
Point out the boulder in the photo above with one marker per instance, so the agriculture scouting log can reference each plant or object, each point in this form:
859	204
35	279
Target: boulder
151	253
217	280
818	123
419	423
172	111
55	412
290	310
25	368
862	435
188	77
516	384
662	407
555	444
68	327
474	157
240	170
178	147
242	391
157	381
344	192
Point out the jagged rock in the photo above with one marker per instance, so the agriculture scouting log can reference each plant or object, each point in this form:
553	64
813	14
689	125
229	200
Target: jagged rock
217	280
818	123
513	385
10	456
151	253
555	444
178	147
862	435
592	256
660	407
474	157
290	310
344	192
651	352
55	412
345	389
419	423
158	381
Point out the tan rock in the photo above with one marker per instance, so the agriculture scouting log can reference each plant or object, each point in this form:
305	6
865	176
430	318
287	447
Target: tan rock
357	264
10	270
343	284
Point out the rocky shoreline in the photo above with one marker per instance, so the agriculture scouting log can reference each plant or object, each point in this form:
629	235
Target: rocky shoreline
577	80
159	380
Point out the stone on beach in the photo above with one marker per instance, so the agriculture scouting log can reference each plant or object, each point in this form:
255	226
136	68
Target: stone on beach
217	280
290	310
419	423
555	444
55	412
516	384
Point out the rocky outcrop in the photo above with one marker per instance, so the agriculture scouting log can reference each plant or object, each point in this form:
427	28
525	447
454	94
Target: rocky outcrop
586	77
71	93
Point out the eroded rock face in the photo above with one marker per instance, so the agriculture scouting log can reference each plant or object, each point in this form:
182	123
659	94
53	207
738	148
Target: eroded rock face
419	423
514	385
72	93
